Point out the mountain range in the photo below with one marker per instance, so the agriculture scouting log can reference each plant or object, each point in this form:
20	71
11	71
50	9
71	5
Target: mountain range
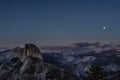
28	64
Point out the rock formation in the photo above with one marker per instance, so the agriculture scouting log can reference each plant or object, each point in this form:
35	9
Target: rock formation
28	64
27	51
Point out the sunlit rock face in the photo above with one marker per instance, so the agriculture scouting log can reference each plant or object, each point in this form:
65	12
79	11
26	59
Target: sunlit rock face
27	51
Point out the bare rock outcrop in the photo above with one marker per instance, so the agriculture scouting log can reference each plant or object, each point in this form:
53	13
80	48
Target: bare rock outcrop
28	50
28	64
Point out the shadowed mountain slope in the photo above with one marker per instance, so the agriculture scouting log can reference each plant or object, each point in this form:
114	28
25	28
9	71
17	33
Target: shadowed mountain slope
27	64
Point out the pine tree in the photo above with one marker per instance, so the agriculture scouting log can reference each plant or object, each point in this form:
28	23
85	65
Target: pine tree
96	73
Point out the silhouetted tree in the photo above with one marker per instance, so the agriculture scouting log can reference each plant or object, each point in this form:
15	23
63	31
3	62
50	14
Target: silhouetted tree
96	73
118	77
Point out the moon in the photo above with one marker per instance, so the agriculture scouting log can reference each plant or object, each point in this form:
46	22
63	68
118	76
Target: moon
104	27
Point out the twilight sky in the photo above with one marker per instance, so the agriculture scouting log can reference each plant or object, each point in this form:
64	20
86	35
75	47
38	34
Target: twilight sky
58	22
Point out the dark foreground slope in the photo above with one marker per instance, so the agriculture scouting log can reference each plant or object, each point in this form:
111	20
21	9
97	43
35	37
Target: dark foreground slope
28	64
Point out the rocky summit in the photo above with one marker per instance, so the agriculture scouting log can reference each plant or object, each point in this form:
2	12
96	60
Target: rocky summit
27	51
28	64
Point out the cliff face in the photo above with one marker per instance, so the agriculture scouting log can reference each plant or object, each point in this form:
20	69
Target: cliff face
29	50
28	64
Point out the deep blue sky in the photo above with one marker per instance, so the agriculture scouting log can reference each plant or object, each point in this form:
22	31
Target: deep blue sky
58	22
